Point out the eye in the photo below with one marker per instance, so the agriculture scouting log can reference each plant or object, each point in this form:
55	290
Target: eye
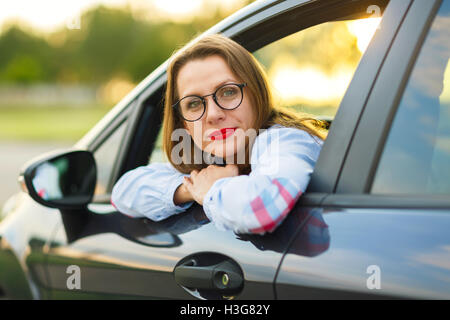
194	103
228	92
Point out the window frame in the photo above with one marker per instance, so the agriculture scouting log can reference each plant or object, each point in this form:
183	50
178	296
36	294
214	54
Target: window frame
120	119
327	174
370	136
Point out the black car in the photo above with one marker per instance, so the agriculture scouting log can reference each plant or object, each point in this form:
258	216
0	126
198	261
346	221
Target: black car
374	222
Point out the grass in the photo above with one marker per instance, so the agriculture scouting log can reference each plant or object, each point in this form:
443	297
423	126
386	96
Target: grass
48	123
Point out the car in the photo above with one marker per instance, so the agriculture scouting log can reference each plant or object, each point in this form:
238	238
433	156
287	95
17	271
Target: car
373	223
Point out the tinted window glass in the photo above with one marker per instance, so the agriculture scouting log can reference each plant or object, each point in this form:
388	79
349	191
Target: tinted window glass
105	158
157	153
416	157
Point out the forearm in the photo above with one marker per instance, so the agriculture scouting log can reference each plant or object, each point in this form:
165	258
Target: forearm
149	192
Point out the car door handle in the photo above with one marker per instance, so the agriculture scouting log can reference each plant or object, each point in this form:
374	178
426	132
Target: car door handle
224	276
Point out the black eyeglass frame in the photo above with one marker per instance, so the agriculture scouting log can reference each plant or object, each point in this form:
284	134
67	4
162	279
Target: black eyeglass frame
240	85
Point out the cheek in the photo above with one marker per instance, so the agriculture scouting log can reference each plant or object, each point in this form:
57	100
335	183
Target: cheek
247	115
195	130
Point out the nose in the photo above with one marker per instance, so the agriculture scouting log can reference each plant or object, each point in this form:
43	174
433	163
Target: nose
213	112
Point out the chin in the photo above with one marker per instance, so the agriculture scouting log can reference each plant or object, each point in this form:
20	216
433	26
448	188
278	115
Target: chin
233	153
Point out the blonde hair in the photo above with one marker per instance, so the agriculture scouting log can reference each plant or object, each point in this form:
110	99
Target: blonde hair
245	67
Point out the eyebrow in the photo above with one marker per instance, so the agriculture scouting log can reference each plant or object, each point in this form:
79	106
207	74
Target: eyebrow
228	80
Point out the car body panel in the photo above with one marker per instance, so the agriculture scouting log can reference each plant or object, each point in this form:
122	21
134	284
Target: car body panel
409	246
121	257
24	234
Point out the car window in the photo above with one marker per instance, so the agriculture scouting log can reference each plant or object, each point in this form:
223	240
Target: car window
416	156
105	157
310	70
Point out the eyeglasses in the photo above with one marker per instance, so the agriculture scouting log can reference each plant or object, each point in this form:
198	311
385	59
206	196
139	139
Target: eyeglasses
228	97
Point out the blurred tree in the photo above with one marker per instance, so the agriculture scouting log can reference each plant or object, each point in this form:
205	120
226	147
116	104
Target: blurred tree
328	47
110	43
25	58
108	36
23	69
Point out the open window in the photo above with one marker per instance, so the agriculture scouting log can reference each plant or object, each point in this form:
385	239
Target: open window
310	70
310	53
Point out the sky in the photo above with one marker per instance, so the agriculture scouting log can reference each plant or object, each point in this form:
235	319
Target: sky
47	15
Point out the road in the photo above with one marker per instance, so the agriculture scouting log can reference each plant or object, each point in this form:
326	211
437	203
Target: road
13	155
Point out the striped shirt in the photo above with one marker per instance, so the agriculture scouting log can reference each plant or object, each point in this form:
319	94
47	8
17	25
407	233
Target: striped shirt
282	160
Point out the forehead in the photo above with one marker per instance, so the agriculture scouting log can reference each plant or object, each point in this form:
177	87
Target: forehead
202	76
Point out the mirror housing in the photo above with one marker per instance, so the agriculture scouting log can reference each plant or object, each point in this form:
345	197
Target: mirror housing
62	180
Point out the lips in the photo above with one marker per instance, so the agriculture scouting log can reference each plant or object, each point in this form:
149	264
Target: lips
222	133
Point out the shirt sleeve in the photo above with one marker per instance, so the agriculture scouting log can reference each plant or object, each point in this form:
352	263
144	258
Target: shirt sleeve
282	161
148	192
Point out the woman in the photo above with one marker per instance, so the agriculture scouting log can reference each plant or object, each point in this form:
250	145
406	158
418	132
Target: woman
217	93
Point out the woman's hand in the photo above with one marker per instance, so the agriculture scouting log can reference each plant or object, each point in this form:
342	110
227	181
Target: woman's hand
201	181
182	195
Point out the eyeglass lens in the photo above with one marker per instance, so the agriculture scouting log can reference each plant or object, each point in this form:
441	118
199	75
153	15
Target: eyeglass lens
227	97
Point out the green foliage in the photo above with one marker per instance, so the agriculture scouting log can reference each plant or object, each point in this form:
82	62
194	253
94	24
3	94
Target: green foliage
25	58
110	42
23	69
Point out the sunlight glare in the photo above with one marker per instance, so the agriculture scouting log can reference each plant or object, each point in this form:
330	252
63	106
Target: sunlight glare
178	8
363	30
445	95
310	85
46	15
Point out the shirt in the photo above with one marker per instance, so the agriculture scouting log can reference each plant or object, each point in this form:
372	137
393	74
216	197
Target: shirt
282	160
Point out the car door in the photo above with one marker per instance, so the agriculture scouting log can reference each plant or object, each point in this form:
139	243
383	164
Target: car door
100	253
389	214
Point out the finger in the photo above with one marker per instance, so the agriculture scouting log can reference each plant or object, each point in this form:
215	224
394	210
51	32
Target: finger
194	173
187	181
188	184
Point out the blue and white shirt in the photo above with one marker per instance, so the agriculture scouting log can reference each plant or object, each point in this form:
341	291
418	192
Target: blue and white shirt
282	160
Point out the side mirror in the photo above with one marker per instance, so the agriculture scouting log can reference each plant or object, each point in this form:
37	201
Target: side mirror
62	180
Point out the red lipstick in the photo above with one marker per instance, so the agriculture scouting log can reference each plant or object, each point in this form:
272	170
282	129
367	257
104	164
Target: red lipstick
222	133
